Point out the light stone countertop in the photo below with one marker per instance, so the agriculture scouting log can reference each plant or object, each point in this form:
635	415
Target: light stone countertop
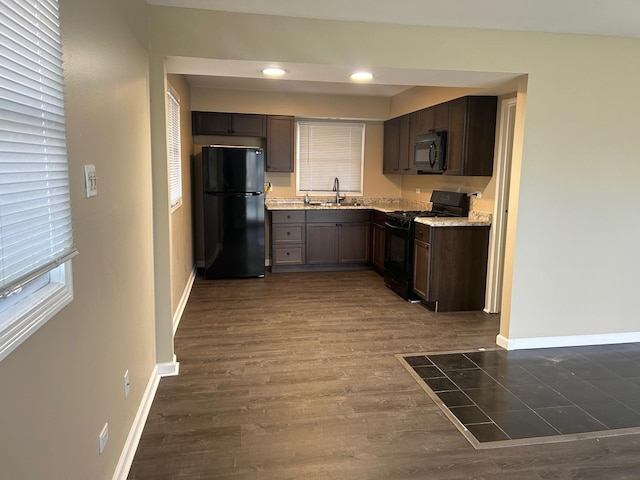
452	222
380	204
390	207
475	219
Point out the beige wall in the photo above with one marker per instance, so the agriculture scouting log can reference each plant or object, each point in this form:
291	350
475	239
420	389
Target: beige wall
301	105
555	277
311	106
420	187
182	259
421	97
60	387
570	273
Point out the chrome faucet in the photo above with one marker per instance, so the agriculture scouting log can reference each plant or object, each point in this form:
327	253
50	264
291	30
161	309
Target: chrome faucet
336	188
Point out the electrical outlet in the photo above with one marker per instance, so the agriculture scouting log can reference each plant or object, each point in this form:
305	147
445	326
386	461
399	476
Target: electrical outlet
417	190
127	384
103	438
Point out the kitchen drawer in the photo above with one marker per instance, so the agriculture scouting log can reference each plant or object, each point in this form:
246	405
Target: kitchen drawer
423	232
287	216
293	255
285	233
338	216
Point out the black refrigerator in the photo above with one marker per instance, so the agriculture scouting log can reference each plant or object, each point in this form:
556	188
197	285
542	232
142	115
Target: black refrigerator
233	209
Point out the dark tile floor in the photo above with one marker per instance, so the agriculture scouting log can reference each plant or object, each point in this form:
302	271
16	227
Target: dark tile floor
502	397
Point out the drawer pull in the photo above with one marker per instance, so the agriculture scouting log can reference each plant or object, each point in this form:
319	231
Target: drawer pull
288	233
288	254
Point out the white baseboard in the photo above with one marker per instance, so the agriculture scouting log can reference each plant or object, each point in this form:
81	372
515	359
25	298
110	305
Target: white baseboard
133	439
567	341
165	369
177	316
135	433
169	369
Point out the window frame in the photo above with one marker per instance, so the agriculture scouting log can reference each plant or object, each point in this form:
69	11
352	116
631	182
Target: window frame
174	149
320	192
33	307
29	301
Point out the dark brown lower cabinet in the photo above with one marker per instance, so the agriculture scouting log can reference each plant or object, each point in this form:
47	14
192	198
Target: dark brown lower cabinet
322	243
320	240
353	243
421	269
287	239
450	267
377	240
345	240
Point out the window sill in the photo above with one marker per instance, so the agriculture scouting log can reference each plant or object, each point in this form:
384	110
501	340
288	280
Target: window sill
27	315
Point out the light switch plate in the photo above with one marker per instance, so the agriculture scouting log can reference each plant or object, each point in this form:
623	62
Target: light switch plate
90	181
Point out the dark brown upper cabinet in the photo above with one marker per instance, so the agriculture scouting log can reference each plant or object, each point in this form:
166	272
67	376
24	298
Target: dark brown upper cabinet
422	121
471	126
441	117
235	124
280	134
471	135
397	154
426	120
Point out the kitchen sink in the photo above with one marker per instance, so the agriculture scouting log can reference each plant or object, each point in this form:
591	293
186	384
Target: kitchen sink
334	204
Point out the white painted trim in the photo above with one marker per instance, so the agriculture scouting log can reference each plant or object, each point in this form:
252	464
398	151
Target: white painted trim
169	369
177	316
495	264
135	433
36	309
567	341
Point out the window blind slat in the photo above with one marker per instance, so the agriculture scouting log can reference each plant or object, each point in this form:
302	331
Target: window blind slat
327	150
174	150
35	214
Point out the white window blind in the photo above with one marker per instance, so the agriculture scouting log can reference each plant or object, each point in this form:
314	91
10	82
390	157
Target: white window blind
330	149
173	140
35	215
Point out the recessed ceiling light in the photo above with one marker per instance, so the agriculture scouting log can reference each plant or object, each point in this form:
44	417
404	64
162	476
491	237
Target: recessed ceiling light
273	71
362	76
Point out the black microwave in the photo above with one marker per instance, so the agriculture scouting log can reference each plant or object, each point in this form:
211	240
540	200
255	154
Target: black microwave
430	152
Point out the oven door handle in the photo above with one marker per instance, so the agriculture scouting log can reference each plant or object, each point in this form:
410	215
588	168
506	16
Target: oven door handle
395	227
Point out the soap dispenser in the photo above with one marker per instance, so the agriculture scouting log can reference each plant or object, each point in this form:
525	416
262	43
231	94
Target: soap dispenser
307	200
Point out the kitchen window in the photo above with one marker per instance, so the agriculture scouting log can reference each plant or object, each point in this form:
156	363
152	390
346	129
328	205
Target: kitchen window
36	242
327	150
173	141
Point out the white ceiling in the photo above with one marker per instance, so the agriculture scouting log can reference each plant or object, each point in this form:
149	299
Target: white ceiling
326	79
596	17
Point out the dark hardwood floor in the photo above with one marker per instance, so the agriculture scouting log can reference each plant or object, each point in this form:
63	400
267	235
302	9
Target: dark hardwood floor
294	377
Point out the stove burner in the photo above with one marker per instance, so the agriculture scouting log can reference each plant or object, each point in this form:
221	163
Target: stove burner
411	214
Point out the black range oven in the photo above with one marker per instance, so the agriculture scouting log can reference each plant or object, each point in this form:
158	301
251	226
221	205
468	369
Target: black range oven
399	235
